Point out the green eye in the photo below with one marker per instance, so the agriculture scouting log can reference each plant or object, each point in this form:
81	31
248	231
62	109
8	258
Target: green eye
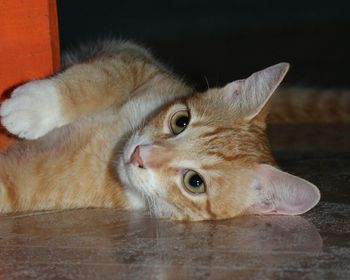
179	121
193	182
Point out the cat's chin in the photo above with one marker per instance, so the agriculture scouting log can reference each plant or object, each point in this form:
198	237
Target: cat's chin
134	195
125	174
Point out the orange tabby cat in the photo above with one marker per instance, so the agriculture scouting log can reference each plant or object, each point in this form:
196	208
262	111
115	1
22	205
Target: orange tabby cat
117	129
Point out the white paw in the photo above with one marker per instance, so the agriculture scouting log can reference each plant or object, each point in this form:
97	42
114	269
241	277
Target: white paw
33	110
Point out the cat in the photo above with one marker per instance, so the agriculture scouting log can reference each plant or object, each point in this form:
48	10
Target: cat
115	128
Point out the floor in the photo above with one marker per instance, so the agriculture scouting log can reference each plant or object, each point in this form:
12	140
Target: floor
110	244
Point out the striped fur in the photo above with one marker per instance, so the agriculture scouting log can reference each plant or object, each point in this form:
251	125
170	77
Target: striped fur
302	105
114	97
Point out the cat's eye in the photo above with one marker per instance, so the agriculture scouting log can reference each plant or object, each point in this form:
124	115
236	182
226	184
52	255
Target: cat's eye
193	182
179	121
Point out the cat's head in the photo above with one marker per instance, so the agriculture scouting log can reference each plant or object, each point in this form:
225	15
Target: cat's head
206	156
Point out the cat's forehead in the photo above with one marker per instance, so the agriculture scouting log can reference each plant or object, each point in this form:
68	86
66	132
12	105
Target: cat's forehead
214	134
215	150
224	138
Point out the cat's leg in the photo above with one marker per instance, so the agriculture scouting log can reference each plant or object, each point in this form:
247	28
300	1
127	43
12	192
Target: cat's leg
37	107
33	109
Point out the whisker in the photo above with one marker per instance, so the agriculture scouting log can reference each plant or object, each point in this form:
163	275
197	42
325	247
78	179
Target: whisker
206	80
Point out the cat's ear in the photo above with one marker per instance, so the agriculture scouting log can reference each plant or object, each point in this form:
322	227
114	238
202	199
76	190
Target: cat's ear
250	95
277	192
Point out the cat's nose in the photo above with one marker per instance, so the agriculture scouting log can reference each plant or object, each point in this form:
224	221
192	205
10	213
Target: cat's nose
136	158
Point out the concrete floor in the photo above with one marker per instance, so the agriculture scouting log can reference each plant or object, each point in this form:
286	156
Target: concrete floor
111	244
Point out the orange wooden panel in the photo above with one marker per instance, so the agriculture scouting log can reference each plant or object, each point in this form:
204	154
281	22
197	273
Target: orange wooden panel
29	45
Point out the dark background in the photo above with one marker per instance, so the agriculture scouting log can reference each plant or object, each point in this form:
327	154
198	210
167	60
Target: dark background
222	40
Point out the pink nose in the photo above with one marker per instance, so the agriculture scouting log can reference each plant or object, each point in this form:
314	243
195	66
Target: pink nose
136	158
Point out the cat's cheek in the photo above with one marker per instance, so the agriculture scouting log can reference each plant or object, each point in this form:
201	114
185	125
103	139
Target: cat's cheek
142	180
135	200
153	184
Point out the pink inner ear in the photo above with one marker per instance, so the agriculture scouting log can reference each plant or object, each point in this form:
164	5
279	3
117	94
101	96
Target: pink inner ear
250	95
283	193
233	89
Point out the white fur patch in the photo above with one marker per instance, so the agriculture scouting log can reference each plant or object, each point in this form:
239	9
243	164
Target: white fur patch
33	110
135	201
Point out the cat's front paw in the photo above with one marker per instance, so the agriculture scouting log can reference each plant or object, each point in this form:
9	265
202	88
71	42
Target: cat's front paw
33	110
